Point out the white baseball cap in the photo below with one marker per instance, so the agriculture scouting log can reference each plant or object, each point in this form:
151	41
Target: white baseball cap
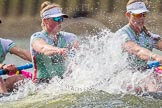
137	8
53	12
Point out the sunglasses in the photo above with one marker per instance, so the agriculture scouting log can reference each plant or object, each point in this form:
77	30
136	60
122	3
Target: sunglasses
139	15
58	19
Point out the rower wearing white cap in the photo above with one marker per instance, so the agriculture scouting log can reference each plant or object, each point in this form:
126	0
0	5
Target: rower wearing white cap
7	83
139	42
50	46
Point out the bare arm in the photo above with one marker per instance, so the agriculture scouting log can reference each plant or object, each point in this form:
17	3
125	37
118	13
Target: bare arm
159	45
141	52
41	46
24	54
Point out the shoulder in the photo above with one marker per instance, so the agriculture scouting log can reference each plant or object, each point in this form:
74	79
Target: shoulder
125	33
6	42
154	36
122	30
37	34
68	36
2	40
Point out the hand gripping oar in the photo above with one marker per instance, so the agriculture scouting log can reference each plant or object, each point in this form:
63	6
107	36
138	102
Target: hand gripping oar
20	71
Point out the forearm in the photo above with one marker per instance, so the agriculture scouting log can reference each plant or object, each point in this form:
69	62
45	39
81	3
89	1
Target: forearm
49	50
24	54
40	46
144	54
135	49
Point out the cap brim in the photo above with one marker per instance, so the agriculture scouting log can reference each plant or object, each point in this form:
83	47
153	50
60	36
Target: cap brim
58	15
139	11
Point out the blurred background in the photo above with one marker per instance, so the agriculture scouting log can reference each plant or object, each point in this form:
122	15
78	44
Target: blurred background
101	60
20	18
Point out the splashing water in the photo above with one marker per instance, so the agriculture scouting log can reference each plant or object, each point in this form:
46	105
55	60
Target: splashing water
99	64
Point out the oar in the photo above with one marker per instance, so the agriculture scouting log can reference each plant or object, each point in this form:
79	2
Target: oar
153	64
19	68
26	66
156	66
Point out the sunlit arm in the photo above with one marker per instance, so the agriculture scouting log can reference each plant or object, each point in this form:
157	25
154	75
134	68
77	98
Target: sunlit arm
42	47
159	45
24	54
140	52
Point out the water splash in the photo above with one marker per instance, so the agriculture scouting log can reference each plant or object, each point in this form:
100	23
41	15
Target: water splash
99	64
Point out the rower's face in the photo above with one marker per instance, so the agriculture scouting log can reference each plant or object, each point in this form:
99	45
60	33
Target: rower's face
137	20
54	26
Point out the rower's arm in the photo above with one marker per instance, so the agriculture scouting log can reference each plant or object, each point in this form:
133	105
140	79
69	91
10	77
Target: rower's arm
22	53
159	45
140	52
42	47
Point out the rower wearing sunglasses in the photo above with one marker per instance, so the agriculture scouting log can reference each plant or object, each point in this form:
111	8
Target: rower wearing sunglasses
139	42
49	47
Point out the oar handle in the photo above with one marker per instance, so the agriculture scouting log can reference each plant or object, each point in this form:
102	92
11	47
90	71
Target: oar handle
26	66
153	64
157	67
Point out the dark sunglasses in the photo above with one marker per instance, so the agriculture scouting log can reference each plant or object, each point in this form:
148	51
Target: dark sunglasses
58	19
139	15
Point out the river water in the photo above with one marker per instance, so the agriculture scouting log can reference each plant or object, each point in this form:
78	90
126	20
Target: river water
99	78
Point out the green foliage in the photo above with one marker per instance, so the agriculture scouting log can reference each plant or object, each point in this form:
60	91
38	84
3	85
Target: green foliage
71	7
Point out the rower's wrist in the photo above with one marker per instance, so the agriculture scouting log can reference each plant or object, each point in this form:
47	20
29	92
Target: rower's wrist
151	56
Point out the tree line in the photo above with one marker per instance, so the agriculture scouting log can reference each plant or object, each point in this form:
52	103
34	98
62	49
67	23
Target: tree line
75	8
